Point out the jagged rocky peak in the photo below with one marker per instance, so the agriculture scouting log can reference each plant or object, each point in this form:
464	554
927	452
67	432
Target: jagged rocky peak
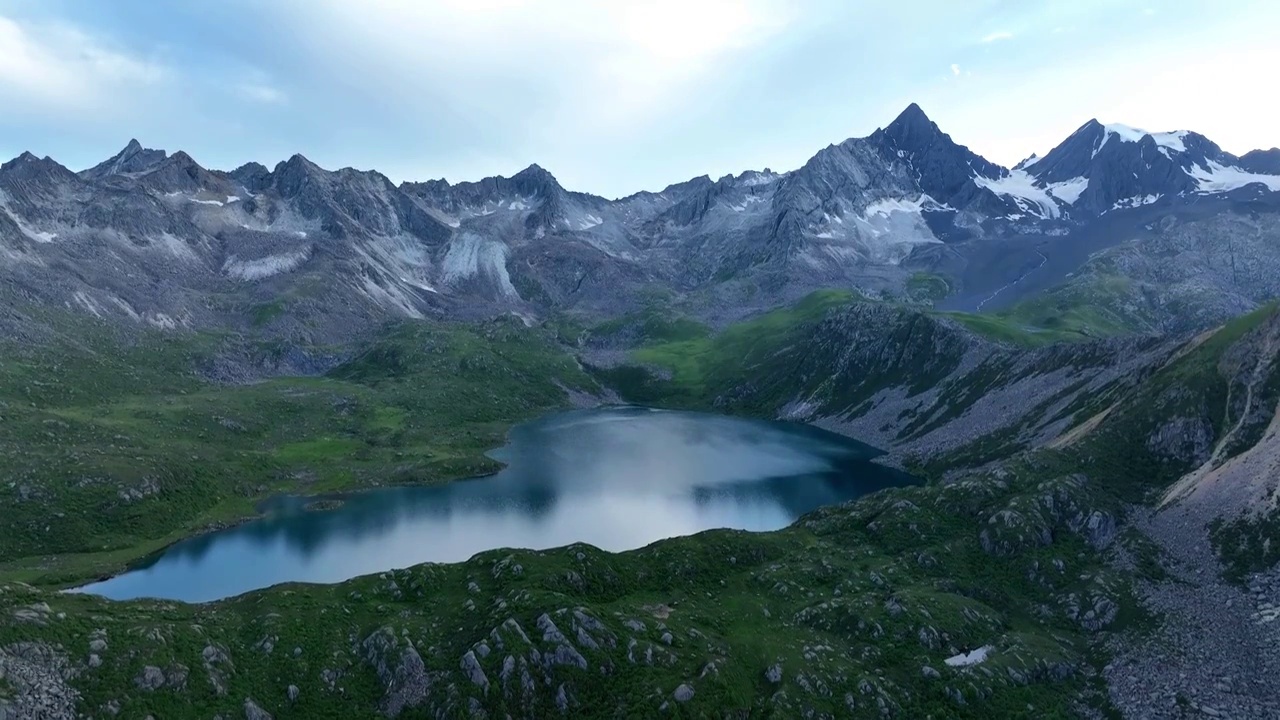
133	159
180	173
255	177
535	180
297	164
41	172
944	168
912	129
528	189
292	175
25	160
1071	158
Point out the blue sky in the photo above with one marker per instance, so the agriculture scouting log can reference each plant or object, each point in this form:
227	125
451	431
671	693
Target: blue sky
619	96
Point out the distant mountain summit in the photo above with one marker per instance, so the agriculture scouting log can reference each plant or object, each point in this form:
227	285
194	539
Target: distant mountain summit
944	169
131	160
1101	168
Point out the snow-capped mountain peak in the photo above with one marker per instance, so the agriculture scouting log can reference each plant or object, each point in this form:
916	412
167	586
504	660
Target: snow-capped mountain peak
1104	167
1169	140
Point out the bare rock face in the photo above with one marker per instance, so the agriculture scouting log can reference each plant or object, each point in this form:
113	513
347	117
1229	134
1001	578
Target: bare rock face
218	666
471	666
683	694
1185	439
38	676
400	670
1033	520
151	678
253	712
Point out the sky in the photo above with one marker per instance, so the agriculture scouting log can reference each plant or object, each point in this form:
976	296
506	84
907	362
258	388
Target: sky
619	96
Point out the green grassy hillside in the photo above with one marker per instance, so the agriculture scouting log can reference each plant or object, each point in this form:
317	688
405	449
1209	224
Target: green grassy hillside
112	451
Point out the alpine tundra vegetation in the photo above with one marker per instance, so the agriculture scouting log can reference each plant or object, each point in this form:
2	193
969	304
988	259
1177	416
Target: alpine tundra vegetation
1076	357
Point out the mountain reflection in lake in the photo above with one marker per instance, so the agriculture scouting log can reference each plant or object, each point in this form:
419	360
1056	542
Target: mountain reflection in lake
617	478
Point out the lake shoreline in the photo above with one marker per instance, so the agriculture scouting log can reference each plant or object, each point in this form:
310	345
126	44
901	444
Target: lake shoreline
771	461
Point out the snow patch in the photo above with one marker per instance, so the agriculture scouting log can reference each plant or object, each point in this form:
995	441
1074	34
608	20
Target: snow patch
887	206
1170	140
589	222
1220	178
42	237
754	179
1068	191
419	284
219	203
1136	201
264	267
886	232
1020	186
972	657
1029	161
233	198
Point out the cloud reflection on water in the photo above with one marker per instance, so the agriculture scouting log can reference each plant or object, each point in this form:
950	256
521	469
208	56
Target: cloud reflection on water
617	478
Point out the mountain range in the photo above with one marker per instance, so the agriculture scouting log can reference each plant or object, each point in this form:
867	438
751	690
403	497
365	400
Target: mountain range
154	238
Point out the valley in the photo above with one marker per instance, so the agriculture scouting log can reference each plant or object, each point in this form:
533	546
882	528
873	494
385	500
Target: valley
1092	454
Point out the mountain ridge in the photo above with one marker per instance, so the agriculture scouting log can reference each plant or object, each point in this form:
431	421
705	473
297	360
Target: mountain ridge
868	213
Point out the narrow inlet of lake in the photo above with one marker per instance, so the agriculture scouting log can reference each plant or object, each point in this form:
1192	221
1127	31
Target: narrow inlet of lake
617	478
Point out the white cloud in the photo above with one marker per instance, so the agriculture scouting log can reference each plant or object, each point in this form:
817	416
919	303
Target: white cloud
955	69
568	67
58	67
997	36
